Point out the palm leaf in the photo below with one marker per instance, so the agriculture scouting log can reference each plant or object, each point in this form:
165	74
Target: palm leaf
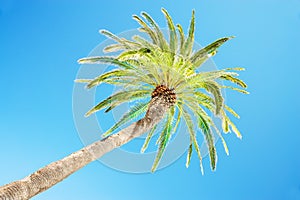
83	80
126	98
146	29
226	123
114	73
165	137
188	45
214	89
110	35
105	59
114	48
234	80
148	138
133	113
162	42
204	123
225	126
177	121
181	38
234	128
204	126
192	133
203	54
189	155
209	76
223	140
120	97
236	89
126	43
231	111
172	31
133	53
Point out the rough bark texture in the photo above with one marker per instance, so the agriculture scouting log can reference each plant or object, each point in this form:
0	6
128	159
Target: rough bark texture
57	171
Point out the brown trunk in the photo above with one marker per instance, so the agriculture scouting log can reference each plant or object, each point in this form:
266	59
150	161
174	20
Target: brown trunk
55	172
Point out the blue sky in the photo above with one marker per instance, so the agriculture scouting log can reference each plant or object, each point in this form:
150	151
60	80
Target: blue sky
41	41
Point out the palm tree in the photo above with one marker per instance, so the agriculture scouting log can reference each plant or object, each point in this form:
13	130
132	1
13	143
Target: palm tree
161	78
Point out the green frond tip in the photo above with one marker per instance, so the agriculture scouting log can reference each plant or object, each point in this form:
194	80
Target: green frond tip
148	138
110	35
232	111
82	80
225	126
203	54
189	155
172	31
236	68
181	37
235	130
236	89
223	140
228	123
188	45
214	89
105	60
234	80
204	126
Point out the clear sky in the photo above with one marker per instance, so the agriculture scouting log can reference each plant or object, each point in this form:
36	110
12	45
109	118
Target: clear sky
41	41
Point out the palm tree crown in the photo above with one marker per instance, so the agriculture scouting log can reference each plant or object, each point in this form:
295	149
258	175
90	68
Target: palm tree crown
167	68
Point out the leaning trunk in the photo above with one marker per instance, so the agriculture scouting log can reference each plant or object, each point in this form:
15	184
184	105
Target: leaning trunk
57	171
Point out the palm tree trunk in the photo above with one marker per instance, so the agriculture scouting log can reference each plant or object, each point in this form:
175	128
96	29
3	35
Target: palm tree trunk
55	172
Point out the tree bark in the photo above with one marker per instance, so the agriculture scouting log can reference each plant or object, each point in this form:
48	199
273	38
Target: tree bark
55	172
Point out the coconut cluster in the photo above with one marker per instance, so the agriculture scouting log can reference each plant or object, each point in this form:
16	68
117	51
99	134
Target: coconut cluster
167	94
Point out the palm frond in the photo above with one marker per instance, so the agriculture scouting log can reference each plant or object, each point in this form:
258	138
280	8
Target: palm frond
133	113
122	96
236	89
231	111
107	60
133	53
193	138
222	139
214	89
165	137
204	126
146	29
225	125
114	48
162	43
203	54
188	45
181	38
114	73
126	43
234	80
83	80
209	76
229	123
172	31
189	155
177	121
148	138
